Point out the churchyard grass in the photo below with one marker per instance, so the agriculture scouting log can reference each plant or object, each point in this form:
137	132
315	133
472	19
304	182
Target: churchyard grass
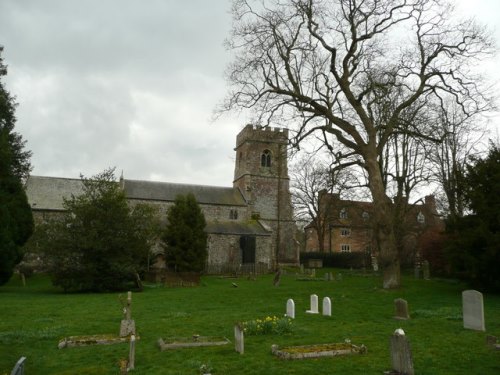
35	317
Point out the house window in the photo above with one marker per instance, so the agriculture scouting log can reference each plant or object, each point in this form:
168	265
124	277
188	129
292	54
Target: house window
344	232
343	213
233	214
345	248
421	218
265	159
365	215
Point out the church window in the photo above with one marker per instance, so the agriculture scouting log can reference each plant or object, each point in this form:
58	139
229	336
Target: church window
265	159
343	213
233	214
344	232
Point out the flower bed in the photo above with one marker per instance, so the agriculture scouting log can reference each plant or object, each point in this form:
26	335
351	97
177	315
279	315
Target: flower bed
317	350
267	326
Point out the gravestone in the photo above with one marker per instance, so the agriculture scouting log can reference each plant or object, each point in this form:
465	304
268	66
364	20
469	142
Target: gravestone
417	271
239	343
374	264
313	272
401	309
401	357
131	354
290	308
426	270
301	268
473	310
327	306
19	367
127	326
314	305
339	277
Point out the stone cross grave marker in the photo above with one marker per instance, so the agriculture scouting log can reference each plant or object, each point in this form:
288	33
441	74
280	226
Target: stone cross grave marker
401	309
127	326
19	367
401	358
473	310
327	306
290	308
426	270
239	339
314	305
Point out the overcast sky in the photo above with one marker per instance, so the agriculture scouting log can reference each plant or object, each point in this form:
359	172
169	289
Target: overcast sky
131	84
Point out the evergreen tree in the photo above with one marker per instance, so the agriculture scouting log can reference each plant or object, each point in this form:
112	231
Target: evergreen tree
185	239
474	248
16	220
100	243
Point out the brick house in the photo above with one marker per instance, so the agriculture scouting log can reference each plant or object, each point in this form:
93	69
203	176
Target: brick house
248	225
349	226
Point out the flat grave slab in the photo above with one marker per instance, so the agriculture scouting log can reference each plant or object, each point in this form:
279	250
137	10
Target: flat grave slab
190	342
317	350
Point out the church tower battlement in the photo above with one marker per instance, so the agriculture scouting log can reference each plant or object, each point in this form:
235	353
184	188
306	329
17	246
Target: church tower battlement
261	174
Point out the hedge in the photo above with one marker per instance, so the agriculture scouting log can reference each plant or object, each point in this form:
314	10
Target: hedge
339	260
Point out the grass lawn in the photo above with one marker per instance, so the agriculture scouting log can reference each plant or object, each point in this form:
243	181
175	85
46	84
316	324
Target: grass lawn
34	318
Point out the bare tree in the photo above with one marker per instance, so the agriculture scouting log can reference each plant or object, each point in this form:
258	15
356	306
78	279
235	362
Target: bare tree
323	67
312	177
461	135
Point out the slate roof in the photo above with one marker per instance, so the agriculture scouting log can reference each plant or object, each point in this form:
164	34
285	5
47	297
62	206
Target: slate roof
46	193
238	228
167	191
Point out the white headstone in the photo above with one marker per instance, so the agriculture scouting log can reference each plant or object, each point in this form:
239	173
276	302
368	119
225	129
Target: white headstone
473	310
290	308
401	308
239	343
327	306
131	355
314	305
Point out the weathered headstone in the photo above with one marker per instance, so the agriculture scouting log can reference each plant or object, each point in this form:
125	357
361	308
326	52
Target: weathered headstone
314	305
239	340
375	264
19	367
127	326
426	270
290	308
417	271
302	268
401	357
401	309
131	355
473	310
313	272
339	277
327	306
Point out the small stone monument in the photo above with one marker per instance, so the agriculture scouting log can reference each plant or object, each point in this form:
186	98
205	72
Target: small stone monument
131	354
426	270
401	309
301	268
339	277
401	358
473	310
313	272
127	326
374	264
314	305
327	306
239	343
290	308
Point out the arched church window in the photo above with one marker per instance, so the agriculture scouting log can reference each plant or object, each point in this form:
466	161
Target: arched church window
265	159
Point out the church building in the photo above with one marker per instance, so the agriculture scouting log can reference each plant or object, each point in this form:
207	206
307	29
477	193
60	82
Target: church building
249	225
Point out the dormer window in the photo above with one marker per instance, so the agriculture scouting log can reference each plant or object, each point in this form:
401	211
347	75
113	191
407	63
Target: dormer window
421	218
265	159
343	213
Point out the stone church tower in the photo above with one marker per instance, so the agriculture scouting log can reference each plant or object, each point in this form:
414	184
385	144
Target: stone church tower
261	174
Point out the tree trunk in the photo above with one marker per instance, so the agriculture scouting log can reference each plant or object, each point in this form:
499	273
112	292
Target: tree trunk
384	227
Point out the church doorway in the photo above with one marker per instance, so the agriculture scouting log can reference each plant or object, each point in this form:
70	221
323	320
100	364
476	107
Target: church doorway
247	246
